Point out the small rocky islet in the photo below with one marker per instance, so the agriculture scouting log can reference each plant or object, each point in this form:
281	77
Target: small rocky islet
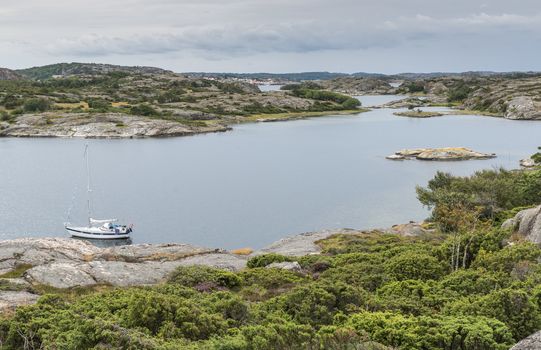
440	154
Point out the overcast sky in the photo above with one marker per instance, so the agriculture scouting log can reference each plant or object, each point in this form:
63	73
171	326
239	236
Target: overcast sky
386	36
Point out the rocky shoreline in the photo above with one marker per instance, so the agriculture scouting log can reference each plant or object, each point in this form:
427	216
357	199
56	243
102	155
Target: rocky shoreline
63	263
32	266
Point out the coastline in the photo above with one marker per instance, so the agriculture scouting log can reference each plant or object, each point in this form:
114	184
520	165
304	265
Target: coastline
54	263
121	126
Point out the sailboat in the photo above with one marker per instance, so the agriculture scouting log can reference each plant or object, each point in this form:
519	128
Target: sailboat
98	228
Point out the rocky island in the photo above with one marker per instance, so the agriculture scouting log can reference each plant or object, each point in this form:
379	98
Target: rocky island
418	114
107	101
440	154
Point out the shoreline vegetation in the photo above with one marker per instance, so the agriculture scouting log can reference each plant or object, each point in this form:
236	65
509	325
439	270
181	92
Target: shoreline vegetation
106	101
103	101
467	279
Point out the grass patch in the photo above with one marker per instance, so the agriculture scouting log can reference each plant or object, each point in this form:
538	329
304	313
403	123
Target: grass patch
242	251
17	272
81	105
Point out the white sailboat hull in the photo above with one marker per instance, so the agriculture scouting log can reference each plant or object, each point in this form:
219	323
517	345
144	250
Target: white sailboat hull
96	233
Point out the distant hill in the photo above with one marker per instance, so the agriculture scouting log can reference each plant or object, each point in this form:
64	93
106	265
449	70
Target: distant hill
66	69
275	76
8	74
304	76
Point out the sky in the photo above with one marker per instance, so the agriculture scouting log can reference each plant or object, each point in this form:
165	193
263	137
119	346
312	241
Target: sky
384	36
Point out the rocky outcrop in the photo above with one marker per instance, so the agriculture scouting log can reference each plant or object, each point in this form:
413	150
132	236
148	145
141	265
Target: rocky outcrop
527	223
533	342
418	114
8	74
410	102
440	154
66	263
302	244
286	265
11	299
358	86
527	163
109	125
523	107
305	243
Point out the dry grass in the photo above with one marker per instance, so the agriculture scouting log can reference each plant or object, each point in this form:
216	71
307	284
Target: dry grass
242	251
82	105
120	104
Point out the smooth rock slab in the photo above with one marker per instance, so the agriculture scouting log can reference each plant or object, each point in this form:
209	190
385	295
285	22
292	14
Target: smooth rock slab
123	274
143	252
10	300
39	251
533	342
61	275
218	260
299	245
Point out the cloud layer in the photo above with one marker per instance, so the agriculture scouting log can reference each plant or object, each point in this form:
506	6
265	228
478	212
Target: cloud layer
198	35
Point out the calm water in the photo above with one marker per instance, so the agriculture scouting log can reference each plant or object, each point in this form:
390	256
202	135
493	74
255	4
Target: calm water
267	88
250	186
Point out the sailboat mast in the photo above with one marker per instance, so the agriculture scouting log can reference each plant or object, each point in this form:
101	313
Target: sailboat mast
88	189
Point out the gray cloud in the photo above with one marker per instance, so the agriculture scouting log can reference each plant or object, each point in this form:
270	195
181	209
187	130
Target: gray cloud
348	34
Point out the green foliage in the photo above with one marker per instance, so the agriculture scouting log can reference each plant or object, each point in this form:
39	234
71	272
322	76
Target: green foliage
171	96
428	332
515	308
11	101
37	105
346	102
99	104
507	258
256	107
193	276
144	110
414	265
413	86
492	191
266	259
458	92
368	291
537	156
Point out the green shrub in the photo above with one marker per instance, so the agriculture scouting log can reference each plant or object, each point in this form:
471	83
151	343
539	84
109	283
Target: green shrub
99	104
266	259
414	266
193	276
144	110
459	92
37	105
